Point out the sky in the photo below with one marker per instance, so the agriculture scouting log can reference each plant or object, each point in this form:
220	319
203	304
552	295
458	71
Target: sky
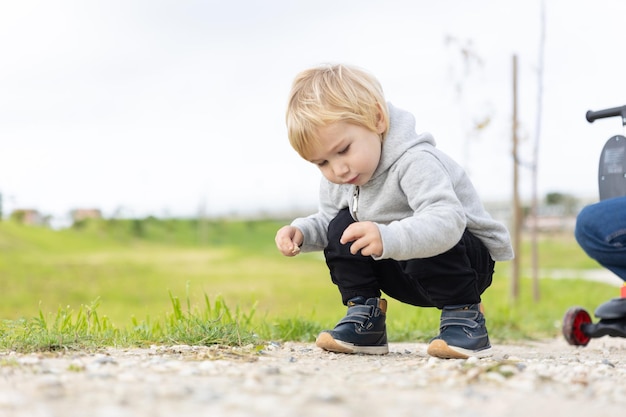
176	108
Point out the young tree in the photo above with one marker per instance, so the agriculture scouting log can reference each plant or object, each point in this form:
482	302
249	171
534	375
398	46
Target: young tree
535	157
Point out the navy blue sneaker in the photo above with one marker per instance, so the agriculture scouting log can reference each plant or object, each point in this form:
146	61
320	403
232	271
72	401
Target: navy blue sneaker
362	330
462	333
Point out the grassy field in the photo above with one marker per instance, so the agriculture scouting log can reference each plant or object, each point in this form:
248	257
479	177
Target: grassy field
132	273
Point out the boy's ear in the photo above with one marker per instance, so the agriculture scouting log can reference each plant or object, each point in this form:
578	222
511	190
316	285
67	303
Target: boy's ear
381	122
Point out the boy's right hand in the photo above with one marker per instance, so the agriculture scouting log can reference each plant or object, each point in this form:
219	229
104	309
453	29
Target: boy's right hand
288	240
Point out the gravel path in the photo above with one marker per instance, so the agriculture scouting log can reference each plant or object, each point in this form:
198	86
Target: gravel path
546	378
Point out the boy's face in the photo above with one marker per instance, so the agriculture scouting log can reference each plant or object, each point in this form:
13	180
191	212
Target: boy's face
347	153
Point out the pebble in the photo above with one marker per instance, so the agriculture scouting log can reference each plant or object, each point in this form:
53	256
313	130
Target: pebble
297	379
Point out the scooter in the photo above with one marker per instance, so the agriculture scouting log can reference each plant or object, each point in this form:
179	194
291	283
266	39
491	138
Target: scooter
578	327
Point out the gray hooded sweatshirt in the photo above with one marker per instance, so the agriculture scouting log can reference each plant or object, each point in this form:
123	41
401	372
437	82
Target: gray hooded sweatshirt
421	200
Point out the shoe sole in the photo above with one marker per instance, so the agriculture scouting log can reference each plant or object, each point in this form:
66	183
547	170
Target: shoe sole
327	342
440	349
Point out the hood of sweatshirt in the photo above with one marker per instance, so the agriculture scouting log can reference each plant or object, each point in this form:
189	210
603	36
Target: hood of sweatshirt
400	138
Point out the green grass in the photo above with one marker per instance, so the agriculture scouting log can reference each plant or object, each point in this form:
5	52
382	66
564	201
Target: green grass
121	282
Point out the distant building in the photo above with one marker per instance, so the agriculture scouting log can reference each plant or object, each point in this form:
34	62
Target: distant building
84	214
29	217
550	217
546	223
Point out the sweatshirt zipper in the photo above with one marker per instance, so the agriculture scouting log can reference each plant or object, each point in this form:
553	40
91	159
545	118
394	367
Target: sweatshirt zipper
355	202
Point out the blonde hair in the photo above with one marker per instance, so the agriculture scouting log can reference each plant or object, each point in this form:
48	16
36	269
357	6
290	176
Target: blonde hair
331	93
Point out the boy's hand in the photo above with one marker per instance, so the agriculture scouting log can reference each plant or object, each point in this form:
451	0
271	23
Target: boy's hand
365	237
288	240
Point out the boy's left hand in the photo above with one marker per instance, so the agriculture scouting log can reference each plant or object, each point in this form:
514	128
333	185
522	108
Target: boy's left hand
365	237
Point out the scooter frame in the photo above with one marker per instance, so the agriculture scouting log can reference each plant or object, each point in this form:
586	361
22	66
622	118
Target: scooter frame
578	327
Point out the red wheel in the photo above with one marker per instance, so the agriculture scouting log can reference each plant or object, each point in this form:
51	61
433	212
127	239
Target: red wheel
572	326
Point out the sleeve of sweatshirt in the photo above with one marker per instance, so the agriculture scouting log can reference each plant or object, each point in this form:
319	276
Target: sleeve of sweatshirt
438	219
315	227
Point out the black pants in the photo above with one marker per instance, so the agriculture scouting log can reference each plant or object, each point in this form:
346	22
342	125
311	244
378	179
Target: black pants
458	276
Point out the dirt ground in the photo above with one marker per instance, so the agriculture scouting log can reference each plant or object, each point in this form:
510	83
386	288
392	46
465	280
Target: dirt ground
296	379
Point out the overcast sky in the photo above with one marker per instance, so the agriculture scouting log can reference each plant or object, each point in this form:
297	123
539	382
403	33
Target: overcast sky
163	107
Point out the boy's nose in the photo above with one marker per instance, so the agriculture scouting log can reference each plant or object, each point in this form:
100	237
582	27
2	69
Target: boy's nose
341	170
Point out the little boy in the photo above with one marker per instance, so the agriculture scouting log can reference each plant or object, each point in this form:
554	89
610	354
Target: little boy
395	215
